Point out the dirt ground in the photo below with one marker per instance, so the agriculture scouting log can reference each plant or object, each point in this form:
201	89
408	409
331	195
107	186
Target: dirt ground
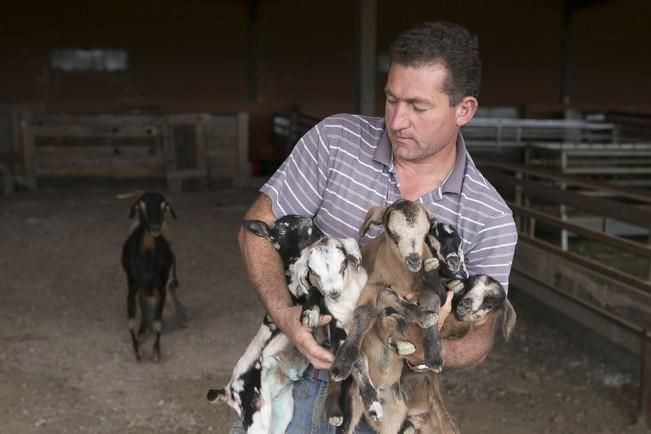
66	364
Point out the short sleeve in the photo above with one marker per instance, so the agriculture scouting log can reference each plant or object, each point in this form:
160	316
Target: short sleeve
492	253
297	187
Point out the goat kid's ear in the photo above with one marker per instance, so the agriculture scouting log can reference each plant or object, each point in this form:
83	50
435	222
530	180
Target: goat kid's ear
432	219
374	216
259	228
353	253
509	318
299	285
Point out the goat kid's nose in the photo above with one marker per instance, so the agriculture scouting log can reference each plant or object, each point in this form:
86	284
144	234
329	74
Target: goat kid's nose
335	295
465	305
462	274
453	262
413	261
154	230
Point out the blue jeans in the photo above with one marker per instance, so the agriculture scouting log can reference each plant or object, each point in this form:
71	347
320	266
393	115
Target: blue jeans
309	404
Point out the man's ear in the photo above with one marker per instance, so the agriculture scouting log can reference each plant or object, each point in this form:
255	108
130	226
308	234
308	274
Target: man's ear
466	109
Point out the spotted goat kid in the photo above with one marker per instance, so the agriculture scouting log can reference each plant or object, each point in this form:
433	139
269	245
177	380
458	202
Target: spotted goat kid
326	278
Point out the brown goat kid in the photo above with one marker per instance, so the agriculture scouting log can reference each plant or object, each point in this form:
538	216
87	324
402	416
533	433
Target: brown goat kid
394	263
480	298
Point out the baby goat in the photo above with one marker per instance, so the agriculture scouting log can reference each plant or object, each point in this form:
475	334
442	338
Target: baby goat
289	235
393	261
332	267
149	263
482	298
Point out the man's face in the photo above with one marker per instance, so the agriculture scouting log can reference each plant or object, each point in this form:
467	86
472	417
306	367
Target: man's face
419	119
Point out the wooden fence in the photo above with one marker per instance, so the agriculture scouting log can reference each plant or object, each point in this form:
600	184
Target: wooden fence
201	148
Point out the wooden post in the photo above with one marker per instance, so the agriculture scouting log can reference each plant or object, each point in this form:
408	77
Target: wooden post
243	176
28	158
367	24
645	380
648	274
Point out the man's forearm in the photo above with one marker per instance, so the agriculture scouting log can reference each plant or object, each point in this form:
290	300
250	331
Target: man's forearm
265	270
472	349
263	264
466	352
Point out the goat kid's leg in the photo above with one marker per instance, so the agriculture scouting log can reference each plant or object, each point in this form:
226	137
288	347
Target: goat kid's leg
407	427
334	401
368	392
351	404
350	350
337	334
414	313
132	321
158	323
391	327
432	344
310	309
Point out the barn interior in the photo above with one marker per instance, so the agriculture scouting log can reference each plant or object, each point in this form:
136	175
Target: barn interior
204	100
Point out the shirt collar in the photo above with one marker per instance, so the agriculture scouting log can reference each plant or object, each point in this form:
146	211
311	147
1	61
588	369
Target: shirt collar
454	181
383	152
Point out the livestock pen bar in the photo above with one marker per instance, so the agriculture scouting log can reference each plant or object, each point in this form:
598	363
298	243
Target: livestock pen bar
608	297
496	133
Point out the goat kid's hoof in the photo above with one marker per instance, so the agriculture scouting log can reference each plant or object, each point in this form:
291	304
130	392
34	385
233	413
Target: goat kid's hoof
431	264
376	411
404	348
340	371
409	430
336	420
213	395
430	320
310	318
455	286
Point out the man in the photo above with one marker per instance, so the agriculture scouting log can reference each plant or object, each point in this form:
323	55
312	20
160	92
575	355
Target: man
348	163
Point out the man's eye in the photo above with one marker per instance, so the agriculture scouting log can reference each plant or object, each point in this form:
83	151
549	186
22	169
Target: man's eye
391	100
419	109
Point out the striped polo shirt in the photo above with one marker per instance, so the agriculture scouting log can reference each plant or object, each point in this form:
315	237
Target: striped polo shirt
344	165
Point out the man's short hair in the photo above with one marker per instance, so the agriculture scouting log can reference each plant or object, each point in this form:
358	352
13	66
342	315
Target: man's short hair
448	43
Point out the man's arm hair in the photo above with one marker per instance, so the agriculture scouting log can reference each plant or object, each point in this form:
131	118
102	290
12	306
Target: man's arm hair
263	264
266	272
472	349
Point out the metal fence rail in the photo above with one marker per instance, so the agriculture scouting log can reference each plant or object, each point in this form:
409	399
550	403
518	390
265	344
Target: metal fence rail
578	278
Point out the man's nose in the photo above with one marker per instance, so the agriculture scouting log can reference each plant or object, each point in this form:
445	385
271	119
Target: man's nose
399	120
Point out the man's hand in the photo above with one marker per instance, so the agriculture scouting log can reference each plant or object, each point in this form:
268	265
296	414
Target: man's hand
445	309
289	322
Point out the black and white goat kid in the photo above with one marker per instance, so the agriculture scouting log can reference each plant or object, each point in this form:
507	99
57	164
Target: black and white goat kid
333	268
150	267
324	277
